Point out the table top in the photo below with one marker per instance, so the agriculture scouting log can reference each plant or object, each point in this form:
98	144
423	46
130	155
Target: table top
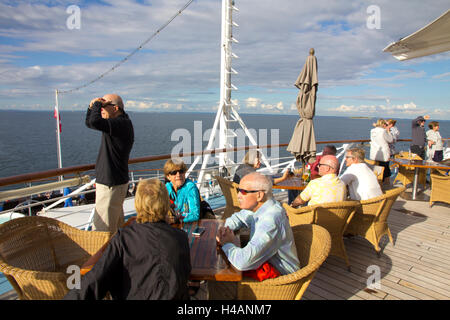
291	183
207	259
421	164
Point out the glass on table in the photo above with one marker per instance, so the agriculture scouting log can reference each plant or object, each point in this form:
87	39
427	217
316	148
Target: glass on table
298	171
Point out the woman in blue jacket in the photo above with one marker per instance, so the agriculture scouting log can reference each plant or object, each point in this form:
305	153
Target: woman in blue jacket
183	193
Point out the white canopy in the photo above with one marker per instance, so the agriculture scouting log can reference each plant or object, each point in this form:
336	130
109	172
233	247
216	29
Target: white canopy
431	39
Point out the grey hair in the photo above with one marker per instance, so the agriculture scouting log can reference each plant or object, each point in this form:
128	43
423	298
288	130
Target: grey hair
251	156
261	182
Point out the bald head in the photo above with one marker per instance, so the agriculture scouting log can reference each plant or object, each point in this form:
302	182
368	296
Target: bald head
331	163
258	181
115	99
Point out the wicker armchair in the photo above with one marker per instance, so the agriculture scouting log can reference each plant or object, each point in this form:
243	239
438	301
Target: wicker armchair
406	174
313	246
370	220
334	217
378	170
36	251
440	186
229	191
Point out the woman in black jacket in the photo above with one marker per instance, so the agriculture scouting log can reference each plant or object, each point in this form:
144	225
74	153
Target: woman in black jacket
146	260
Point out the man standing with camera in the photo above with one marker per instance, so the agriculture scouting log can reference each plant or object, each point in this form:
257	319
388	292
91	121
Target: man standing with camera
418	136
107	115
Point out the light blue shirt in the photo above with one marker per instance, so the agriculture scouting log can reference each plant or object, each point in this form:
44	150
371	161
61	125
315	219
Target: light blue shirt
271	239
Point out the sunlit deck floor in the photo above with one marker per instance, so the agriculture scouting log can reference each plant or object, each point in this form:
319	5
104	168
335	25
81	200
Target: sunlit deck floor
416	266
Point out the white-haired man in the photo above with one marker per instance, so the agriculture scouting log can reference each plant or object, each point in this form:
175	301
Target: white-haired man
271	238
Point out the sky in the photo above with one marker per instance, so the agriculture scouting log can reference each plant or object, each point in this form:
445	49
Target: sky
45	45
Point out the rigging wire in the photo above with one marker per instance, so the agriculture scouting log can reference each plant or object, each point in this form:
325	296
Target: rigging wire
132	53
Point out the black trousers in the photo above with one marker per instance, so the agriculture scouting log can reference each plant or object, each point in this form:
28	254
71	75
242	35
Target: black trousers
419	150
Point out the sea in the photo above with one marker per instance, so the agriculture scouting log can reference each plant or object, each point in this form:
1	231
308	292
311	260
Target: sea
28	138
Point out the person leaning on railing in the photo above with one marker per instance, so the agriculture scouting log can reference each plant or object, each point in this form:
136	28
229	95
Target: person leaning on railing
147	260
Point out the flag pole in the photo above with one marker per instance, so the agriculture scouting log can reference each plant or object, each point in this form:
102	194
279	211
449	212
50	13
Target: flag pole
58	136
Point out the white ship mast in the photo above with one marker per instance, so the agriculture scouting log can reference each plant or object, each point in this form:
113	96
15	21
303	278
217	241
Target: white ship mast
226	114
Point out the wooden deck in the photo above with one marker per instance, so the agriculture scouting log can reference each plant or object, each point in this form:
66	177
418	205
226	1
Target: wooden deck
415	267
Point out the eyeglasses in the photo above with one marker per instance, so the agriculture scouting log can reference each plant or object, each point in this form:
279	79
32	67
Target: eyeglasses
324	164
349	157
174	173
244	192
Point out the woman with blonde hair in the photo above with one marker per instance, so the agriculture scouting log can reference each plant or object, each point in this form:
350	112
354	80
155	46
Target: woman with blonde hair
394	133
148	260
380	138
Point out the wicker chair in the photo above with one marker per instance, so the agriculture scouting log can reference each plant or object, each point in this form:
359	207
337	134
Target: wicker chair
406	174
370	220
378	170
440	186
229	191
313	244
36	251
334	217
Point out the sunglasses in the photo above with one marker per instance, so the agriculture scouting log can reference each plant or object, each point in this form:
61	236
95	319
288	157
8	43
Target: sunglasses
174	173
324	164
244	192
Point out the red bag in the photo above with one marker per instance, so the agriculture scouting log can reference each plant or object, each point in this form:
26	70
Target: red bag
265	271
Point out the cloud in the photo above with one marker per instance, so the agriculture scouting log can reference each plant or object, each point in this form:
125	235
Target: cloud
380	110
181	65
151	106
252	102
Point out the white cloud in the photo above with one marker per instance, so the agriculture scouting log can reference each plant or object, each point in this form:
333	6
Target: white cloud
151	105
252	102
379	110
181	64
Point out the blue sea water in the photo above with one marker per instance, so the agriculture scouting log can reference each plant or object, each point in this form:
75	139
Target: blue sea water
28	138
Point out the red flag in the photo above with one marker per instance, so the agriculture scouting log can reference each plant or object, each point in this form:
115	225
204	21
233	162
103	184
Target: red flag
55	115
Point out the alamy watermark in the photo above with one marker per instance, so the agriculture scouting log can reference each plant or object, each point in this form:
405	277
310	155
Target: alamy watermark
236	138
374	18
74	20
74	280
374	280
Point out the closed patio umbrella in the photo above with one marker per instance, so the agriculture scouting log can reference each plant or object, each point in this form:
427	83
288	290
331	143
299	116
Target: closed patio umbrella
303	141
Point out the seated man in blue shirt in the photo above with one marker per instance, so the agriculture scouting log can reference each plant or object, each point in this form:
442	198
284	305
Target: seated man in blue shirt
271	238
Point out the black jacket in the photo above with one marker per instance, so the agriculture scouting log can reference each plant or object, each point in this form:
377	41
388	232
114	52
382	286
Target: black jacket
149	261
418	135
111	167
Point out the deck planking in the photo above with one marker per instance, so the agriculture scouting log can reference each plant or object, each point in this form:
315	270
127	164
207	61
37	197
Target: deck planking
414	267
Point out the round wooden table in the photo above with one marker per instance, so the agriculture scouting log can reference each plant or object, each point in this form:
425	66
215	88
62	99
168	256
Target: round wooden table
416	164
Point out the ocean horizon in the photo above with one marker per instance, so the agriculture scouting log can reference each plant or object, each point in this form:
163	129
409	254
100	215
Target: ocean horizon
28	137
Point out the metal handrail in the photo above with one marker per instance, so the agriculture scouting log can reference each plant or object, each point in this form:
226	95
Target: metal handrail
28	177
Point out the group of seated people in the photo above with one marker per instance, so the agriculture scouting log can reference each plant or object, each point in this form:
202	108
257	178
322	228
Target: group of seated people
151	260
358	181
